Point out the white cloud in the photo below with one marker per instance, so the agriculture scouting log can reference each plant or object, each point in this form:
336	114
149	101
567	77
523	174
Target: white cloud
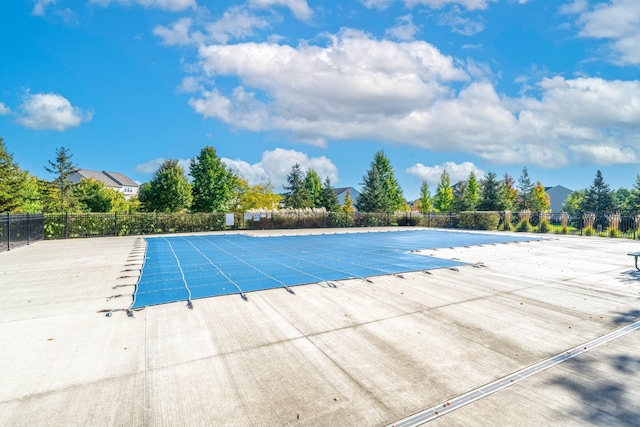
40	6
434	4
575	7
50	111
235	23
617	21
604	154
175	35
357	88
404	30
276	165
4	110
171	5
294	89
459	24
457	172
299	8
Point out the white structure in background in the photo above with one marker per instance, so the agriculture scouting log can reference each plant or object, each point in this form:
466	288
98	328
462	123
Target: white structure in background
557	196
116	180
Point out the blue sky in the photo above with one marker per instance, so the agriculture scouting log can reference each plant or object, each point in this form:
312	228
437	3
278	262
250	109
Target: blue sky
461	85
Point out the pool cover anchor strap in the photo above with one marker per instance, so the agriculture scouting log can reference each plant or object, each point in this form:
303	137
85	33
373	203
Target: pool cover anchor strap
189	304
242	294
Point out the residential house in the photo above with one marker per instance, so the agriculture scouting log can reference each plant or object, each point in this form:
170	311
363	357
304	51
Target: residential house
557	196
116	180
342	192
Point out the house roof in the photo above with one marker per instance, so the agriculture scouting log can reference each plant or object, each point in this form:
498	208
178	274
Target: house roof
121	178
110	179
89	174
341	190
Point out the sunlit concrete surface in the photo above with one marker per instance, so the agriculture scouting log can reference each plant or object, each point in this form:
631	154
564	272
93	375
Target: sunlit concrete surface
360	353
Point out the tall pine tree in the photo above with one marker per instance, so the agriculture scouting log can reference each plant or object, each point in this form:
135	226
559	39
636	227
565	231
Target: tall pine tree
62	168
393	191
599	196
524	189
297	196
373	197
490	193
328	197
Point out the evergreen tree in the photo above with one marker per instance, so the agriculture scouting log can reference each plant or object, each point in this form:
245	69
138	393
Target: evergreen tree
313	185
392	189
373	197
622	200
347	206
168	190
297	196
63	168
328	197
213	182
443	200
508	193
539	198
490	193
634	197
524	189
599	196
425	200
468	200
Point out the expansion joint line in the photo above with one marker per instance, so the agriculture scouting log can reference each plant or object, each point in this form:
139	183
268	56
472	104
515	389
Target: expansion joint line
488	389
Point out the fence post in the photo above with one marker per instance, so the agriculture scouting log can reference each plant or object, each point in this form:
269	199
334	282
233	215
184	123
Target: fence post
66	225
28	230
581	219
8	232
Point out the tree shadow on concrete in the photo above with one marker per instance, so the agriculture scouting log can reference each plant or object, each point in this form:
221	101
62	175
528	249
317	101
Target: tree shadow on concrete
631	276
606	382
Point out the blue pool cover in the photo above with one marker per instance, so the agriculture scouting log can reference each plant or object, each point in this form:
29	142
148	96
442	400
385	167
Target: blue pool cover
183	268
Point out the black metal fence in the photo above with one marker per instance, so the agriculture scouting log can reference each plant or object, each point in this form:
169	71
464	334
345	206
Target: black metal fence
67	225
20	229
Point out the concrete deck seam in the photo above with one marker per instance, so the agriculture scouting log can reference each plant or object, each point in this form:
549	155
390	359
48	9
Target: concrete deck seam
450	405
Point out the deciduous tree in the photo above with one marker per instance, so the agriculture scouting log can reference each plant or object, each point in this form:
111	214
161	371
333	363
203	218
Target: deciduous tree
508	193
540	201
313	185
18	190
168	190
